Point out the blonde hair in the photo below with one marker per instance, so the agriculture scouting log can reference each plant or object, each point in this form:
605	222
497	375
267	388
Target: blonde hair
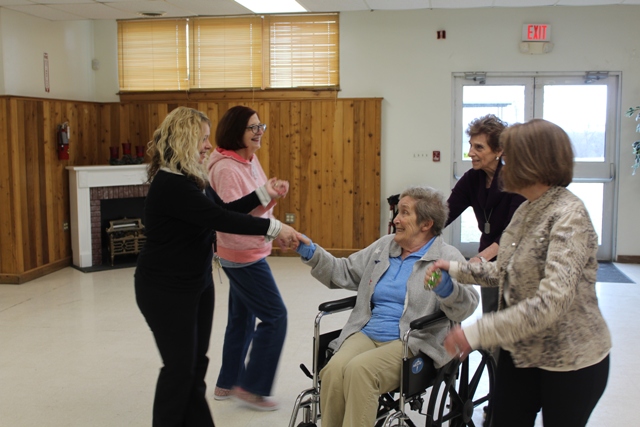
175	145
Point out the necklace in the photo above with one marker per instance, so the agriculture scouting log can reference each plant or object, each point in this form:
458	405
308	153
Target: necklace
487	226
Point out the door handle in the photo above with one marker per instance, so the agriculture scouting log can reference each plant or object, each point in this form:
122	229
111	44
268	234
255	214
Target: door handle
455	175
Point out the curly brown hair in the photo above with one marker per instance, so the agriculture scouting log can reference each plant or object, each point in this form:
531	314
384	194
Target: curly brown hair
489	125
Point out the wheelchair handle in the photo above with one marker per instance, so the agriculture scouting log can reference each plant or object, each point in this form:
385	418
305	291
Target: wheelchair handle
428	320
338	305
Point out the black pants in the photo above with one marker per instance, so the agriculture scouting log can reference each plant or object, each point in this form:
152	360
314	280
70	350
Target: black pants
566	398
181	324
490	298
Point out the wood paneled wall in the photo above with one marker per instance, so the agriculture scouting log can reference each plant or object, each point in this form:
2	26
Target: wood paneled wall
328	149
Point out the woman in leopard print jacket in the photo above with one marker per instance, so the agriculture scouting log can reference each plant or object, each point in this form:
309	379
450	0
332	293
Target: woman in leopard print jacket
555	342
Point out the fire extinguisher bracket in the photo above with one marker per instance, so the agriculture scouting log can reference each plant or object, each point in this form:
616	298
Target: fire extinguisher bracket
63	141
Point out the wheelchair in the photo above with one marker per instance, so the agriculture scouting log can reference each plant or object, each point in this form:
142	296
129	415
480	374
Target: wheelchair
454	392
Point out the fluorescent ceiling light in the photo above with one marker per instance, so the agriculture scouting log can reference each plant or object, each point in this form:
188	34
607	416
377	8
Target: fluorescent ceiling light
272	6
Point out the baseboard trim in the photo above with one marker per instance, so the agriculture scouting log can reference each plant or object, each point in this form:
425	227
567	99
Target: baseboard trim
628	259
20	278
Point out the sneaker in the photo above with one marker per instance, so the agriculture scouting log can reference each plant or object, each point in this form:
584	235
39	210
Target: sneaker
254	401
222	393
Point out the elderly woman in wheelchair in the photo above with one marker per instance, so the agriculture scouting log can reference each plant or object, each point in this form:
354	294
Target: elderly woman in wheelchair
389	279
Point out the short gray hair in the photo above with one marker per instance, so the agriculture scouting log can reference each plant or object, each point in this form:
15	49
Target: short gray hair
431	205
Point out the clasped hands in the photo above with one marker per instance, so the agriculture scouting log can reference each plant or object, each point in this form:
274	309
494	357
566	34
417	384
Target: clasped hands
288	236
455	343
277	188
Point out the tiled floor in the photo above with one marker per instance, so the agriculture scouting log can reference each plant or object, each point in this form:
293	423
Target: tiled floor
75	351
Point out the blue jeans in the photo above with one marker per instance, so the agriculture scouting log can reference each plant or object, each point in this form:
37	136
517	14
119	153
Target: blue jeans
253	294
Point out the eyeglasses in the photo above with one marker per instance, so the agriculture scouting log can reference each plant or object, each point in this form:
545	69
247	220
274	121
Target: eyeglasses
255	128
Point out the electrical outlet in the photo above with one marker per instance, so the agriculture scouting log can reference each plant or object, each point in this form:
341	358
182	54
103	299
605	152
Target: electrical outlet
65	226
289	218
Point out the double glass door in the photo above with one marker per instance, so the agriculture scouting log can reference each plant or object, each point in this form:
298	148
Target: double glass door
584	107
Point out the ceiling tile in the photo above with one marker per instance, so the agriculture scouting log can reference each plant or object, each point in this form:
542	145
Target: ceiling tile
211	7
135	7
95	11
333	5
587	2
524	3
398	4
460	4
15	2
45	12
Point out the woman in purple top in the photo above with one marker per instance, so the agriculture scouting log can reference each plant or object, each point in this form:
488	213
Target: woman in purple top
480	189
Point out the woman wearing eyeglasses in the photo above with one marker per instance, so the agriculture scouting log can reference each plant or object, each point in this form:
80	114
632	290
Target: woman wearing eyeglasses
234	171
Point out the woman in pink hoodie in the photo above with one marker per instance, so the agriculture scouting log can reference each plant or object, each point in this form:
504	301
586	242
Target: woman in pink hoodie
235	171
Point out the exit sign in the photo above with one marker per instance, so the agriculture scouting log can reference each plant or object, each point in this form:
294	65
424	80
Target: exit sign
536	33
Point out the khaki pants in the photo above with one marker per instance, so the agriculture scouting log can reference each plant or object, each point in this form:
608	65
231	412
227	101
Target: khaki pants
355	377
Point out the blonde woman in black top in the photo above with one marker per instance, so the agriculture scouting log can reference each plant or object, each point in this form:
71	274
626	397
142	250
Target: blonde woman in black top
173	278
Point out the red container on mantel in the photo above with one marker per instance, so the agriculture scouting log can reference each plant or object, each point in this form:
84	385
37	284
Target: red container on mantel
126	148
114	152
139	150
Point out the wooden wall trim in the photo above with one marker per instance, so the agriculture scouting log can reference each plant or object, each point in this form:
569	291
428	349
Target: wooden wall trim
244	95
628	259
18	279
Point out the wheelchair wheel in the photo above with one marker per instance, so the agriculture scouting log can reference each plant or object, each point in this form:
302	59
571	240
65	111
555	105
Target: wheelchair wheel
461	394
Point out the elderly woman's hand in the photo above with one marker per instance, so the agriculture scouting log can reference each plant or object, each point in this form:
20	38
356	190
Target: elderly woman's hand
433	276
456	343
306	248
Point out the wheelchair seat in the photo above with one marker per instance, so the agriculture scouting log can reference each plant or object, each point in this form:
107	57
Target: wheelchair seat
458	394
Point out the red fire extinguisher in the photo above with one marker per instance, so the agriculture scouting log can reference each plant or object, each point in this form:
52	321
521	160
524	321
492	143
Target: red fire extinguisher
63	141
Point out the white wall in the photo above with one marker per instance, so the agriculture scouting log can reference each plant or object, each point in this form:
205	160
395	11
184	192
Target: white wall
393	55
106	52
1	55
396	55
69	45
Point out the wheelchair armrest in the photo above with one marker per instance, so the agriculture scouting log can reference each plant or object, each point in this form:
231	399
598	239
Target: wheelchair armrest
428	320
338	305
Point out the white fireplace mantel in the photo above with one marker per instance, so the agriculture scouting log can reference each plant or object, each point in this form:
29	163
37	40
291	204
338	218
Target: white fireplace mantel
81	180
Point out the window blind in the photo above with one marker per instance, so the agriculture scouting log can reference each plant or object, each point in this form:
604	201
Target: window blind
246	52
226	53
303	50
152	55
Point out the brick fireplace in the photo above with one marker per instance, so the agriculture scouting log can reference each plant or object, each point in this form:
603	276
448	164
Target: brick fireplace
88	186
98	194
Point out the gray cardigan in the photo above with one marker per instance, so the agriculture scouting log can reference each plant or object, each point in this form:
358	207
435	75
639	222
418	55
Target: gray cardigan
546	272
361	272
